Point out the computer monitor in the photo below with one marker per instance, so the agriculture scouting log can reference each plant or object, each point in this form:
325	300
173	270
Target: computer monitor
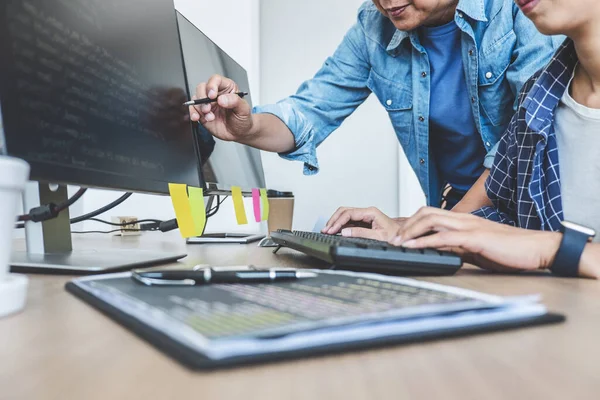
91	94
226	164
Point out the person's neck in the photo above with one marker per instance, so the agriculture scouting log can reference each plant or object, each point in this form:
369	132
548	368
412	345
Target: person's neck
586	83
444	15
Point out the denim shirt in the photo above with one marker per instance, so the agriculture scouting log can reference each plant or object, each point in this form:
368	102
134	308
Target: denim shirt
501	49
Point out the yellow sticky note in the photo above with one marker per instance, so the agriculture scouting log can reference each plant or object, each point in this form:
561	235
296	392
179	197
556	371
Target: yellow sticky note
198	208
183	211
238	205
265	204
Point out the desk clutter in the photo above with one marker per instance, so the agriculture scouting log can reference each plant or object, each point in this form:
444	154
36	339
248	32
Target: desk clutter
211	326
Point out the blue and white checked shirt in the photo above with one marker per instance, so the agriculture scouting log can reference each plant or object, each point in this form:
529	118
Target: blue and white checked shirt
524	182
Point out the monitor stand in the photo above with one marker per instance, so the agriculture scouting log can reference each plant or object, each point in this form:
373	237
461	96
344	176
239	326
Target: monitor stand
50	249
240	238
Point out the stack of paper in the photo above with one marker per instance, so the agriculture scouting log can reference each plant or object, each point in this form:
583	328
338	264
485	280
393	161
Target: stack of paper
336	308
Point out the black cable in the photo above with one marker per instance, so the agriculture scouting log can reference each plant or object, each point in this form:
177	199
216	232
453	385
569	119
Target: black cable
46	212
92	214
113	231
171	224
146	224
72	200
220	202
102	210
139	221
215	209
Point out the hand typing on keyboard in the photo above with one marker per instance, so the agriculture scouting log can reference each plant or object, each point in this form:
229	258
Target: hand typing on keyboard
488	244
369	223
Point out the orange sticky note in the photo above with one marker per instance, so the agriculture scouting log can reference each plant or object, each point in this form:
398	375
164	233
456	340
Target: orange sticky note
183	211
198	208
238	205
265	204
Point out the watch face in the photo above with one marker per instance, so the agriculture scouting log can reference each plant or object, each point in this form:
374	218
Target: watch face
579	228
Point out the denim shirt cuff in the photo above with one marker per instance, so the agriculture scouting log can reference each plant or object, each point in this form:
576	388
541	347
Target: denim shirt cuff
305	150
490	156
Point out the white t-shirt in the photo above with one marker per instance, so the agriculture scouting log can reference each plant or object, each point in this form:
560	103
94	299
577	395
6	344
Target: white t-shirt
577	130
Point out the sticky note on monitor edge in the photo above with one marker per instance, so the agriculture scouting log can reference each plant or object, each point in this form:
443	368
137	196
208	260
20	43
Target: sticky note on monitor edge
196	199
256	205
265	204
183	210
238	205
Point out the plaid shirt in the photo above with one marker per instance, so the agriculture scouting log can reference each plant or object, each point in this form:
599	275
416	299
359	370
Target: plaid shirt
524	182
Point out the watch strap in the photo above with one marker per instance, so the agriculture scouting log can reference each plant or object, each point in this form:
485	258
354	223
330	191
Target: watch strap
566	262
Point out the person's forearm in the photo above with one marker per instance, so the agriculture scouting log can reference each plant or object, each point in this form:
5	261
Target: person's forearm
475	198
589	266
269	133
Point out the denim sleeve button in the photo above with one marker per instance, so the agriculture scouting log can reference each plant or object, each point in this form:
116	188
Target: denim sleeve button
389	102
422	161
489	75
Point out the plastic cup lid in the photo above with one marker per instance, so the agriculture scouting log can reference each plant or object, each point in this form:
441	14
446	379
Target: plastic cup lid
276	193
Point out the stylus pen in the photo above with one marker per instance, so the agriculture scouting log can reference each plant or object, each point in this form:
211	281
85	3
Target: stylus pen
207	100
208	276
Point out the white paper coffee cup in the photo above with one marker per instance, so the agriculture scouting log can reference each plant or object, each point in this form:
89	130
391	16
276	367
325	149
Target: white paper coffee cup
14	174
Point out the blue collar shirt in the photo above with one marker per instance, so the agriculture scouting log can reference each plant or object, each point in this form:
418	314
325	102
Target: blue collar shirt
500	49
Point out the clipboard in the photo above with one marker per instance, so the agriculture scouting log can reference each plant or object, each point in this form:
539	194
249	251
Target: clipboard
385	334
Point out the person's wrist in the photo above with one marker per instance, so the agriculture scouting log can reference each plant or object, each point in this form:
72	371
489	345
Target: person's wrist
589	267
254	125
551	242
251	133
463	207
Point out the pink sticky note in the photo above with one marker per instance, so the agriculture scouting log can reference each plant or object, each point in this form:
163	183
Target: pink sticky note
256	202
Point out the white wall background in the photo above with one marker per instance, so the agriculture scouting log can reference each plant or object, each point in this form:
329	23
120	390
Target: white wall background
360	163
281	44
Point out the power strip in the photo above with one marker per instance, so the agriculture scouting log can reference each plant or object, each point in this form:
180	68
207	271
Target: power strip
132	223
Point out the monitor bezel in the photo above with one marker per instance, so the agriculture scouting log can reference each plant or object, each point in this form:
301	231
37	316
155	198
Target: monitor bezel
45	172
212	188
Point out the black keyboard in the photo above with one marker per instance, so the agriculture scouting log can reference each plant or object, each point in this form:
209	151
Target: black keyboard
369	255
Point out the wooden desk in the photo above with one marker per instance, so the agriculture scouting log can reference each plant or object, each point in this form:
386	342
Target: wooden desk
61	348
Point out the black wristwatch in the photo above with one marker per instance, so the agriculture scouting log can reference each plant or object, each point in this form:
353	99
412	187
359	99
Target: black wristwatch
575	237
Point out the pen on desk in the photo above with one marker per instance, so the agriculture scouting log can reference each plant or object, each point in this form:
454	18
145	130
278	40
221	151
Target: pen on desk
209	276
208	100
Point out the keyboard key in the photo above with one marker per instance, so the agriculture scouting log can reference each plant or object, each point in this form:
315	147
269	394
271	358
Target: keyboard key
431	252
373	255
